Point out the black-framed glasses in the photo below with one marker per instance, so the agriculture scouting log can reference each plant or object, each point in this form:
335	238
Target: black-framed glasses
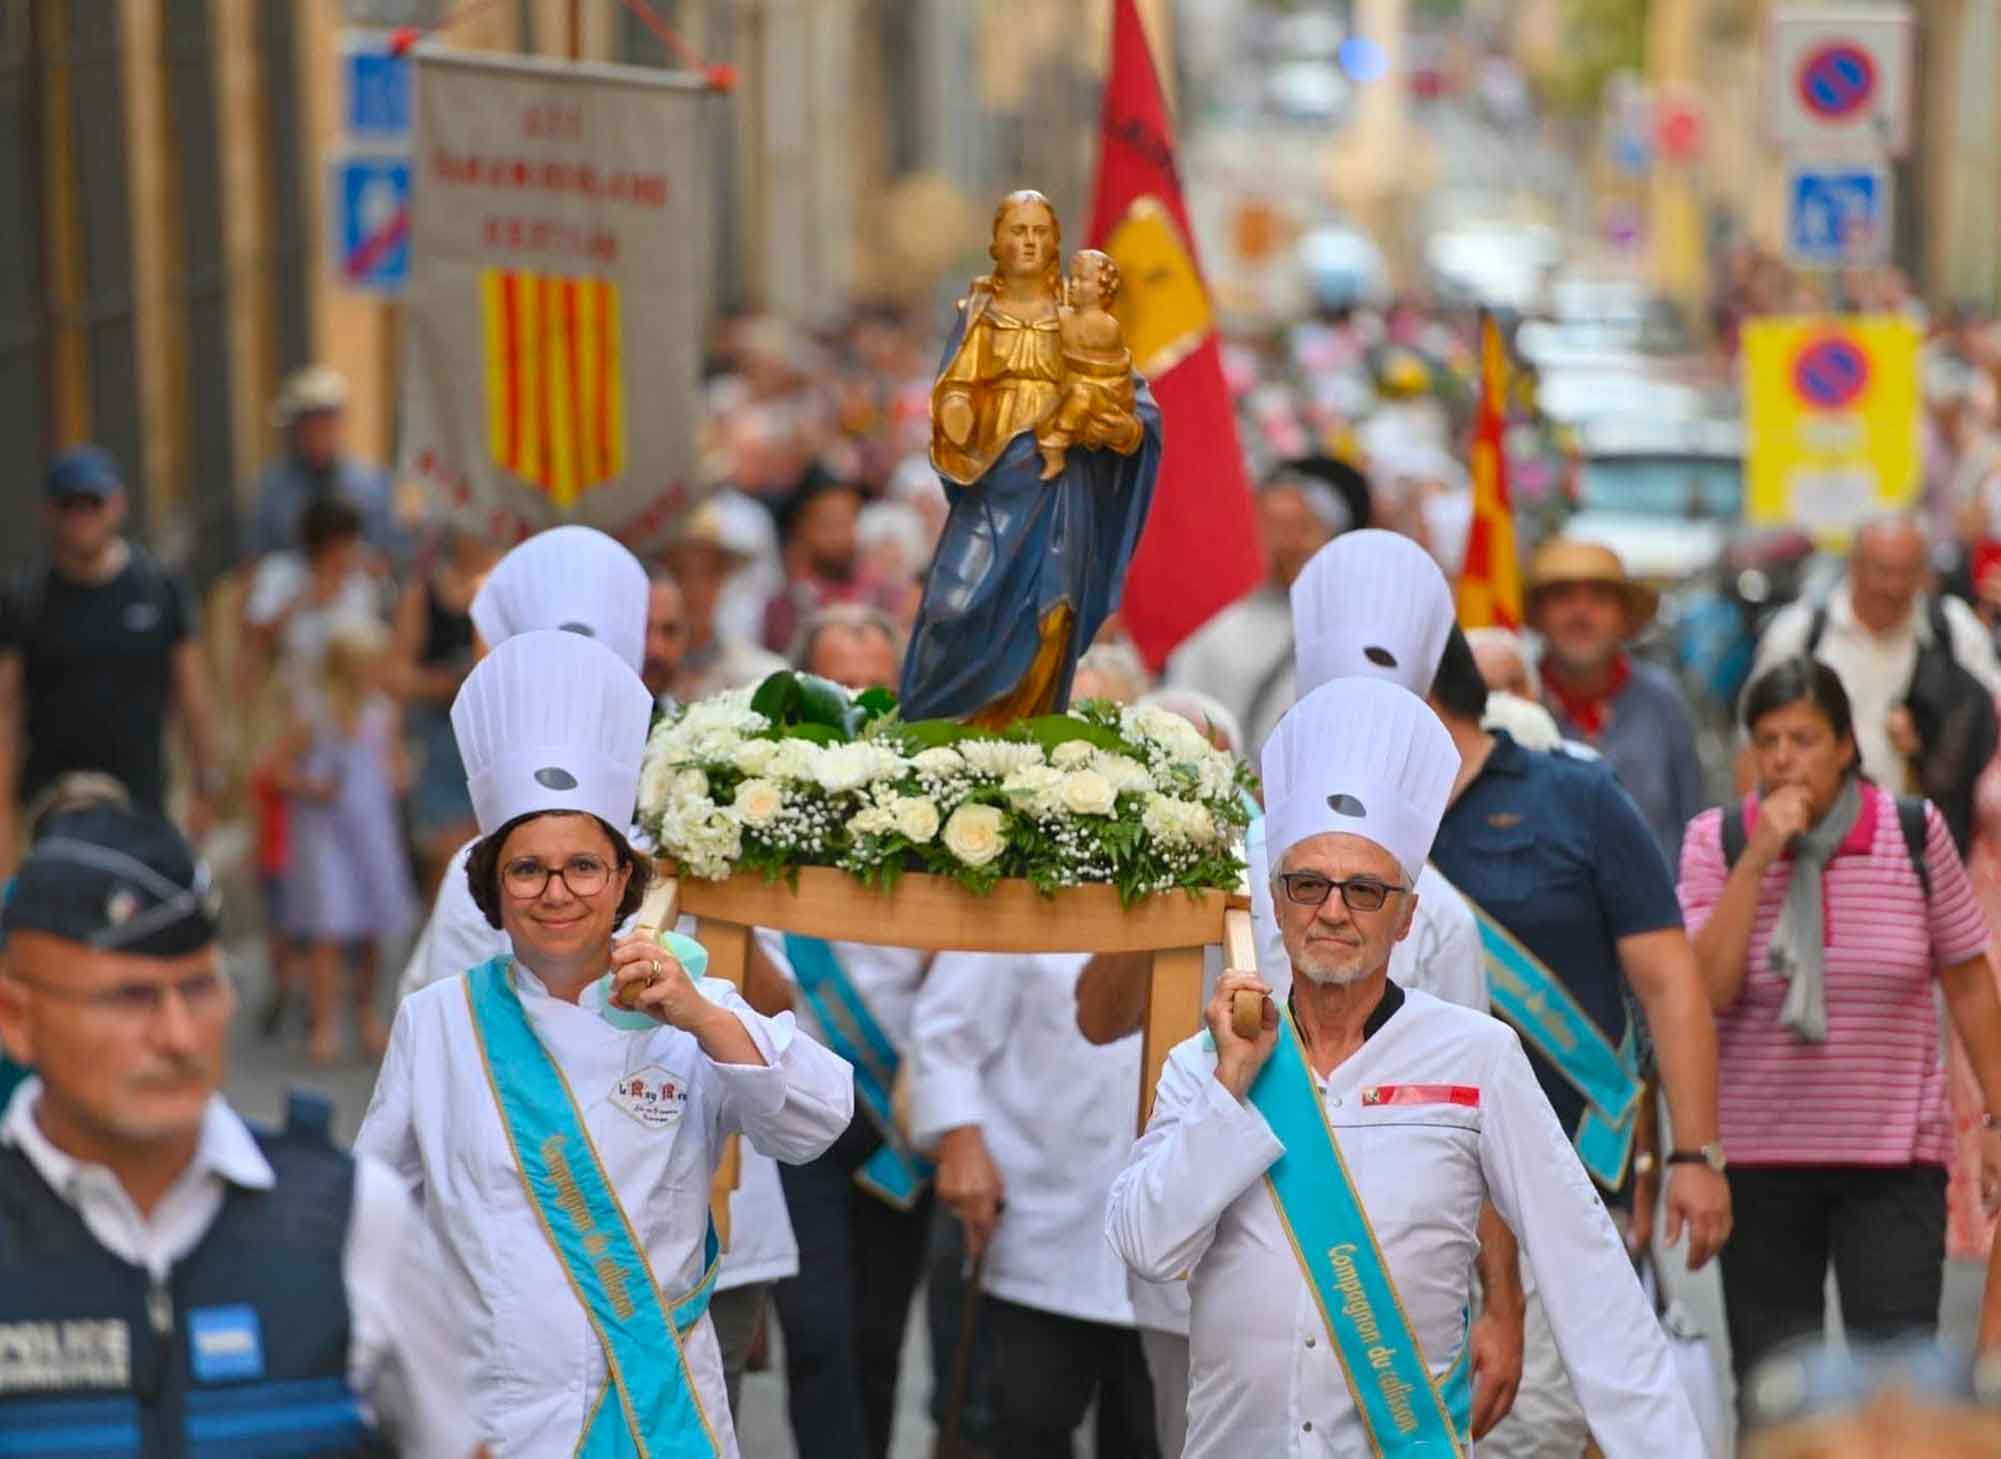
201	994
526	878
1358	893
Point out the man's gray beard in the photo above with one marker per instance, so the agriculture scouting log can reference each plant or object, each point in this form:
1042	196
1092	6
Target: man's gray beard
1330	979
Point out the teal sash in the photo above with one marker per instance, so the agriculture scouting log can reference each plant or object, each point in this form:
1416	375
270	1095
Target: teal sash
1401	1405
895	1173
1528	995
1606	1148
658	1414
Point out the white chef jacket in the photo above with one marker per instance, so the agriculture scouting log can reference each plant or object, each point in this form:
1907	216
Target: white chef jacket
458	937
1261	1378
886	979
1441	956
404	1360
537	1364
995	1044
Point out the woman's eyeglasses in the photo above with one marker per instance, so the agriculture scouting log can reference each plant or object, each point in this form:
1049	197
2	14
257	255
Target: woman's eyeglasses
526	878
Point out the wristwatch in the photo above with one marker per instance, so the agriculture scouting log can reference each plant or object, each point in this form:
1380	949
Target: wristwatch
1710	1155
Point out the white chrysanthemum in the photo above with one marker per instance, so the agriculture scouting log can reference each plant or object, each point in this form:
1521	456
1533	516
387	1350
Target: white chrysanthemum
795	760
916	817
1037	789
758	802
1123	771
1072	754
1089	793
1168	821
940	760
691	785
999	758
976	834
850	767
656	775
753	757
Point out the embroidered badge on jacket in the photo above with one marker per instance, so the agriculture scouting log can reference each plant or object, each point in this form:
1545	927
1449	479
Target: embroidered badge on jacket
652	1096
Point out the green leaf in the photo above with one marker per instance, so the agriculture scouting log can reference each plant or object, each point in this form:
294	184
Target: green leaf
1051	730
777	696
819	734
822	701
930	734
877	701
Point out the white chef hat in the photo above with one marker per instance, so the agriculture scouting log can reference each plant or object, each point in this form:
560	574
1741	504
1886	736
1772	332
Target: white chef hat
1361	756
551	721
1373	603
568	577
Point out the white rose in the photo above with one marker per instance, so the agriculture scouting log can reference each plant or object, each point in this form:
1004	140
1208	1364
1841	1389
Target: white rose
691	785
794	760
1088	793
1123	771
1072	754
941	760
999	758
916	817
758	802
975	834
753	757
875	821
1037	789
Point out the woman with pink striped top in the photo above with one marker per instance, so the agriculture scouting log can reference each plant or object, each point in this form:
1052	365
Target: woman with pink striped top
1822	948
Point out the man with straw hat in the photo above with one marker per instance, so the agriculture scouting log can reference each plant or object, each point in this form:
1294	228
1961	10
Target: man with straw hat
1587	610
1320	1182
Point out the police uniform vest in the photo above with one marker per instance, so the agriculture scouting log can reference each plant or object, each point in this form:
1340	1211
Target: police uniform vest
240	1353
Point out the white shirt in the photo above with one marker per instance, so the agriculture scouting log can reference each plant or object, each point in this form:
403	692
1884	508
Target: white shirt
1441	956
537	1364
458	938
403	1362
886	979
995	1044
1875	668
1261	1378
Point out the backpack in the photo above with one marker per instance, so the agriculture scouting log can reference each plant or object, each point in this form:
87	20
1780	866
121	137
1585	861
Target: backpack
1910	820
1954	716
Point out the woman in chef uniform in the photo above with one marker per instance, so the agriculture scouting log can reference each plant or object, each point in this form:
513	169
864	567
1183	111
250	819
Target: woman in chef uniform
560	1109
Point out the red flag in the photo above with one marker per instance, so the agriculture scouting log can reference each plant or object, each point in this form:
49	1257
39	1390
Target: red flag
1199	552
1490	582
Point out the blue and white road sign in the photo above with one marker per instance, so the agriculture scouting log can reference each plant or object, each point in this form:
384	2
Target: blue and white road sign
375	90
371	209
1838	213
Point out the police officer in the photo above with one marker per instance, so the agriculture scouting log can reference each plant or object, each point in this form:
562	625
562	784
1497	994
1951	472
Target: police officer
169	1280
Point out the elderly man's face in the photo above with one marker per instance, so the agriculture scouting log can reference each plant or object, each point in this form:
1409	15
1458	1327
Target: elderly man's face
1584	624
1292	532
129	1048
1332	943
1886	572
316	437
854	658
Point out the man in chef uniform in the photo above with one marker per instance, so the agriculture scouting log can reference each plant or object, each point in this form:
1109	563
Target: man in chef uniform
1330	1283
559	1110
1371	604
580	580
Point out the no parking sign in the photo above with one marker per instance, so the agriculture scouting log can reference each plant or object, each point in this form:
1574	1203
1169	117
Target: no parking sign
1832	421
1841	80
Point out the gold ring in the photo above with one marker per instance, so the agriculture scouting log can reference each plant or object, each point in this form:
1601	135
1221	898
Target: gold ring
653	971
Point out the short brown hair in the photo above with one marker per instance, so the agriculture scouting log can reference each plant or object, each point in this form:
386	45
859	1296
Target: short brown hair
483	868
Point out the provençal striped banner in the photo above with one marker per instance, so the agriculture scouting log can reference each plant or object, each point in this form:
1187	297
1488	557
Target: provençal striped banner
560	223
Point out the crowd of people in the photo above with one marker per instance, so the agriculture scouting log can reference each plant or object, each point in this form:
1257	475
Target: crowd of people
1453	824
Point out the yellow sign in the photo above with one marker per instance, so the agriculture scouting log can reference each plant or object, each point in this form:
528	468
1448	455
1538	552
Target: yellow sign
1162	306
1831	421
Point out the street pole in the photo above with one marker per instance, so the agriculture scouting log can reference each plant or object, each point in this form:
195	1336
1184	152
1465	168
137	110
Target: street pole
1674	204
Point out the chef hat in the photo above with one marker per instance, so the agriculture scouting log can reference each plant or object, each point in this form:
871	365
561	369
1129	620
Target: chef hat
573	578
550	721
1364	757
1372	603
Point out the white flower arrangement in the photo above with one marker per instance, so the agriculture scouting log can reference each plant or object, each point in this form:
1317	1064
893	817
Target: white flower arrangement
1137	798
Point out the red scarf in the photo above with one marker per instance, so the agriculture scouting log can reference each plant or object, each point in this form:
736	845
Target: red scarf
1589	714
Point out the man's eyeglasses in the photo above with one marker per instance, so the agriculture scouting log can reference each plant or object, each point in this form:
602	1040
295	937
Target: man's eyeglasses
1358	894
526	878
201	994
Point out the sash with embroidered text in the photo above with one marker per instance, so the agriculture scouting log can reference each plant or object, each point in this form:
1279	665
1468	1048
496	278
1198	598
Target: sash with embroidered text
1401	1406
648	1406
894	1173
1528	995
